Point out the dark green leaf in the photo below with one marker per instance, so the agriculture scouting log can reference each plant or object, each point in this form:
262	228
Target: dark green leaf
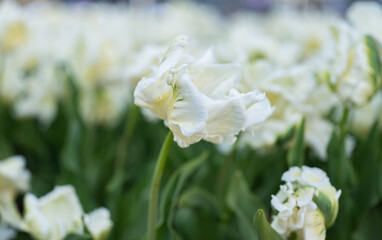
296	153
244	204
264	229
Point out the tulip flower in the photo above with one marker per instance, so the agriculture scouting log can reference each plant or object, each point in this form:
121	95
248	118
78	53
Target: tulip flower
53	215
306	205
197	100
98	223
14	179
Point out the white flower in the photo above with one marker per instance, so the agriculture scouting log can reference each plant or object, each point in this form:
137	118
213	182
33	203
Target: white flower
314	227
13	29
317	135
296	94
6	233
292	205
14	179
197	99
363	117
98	223
366	17
54	215
307	204
313	177
40	96
348	66
292	175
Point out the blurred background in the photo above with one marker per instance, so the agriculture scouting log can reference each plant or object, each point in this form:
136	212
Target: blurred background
228	6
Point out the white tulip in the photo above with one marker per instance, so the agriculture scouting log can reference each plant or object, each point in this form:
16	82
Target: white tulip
98	223
298	204
6	233
363	117
54	215
197	99
296	94
366	17
14	179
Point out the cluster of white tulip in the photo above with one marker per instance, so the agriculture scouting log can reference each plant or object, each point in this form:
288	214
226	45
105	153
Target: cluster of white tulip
52	216
310	65
306	64
106	48
306	205
282	67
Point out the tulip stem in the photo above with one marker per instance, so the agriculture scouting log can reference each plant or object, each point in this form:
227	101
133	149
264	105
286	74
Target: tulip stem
154	188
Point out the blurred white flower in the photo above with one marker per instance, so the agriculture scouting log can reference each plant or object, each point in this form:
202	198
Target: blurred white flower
306	205
197	99
14	179
98	223
6	233
40	96
13	26
296	94
348	67
363	117
366	17
54	215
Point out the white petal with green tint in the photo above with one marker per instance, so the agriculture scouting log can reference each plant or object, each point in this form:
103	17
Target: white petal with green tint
98	223
54	215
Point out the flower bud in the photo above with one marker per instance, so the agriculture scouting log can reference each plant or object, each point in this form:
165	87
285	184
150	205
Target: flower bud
98	223
306	205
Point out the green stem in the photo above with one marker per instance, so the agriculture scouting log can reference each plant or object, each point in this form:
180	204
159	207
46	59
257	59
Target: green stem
225	170
154	189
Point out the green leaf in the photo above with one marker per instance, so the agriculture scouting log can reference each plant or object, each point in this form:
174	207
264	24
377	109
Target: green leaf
175	185
296	153
184	173
70	156
327	208
23	236
368	170
198	215
73	236
370	226
264	229
244	204
340	168
373	50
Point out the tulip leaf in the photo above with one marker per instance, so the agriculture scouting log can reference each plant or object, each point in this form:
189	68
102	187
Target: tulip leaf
327	208
370	226
264	229
366	163
23	236
198	215
243	203
296	153
175	185
73	236
340	168
374	59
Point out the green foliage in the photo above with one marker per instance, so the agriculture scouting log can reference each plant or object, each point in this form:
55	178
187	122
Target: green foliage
373	51
264	230
244	204
78	237
296	153
327	208
205	194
